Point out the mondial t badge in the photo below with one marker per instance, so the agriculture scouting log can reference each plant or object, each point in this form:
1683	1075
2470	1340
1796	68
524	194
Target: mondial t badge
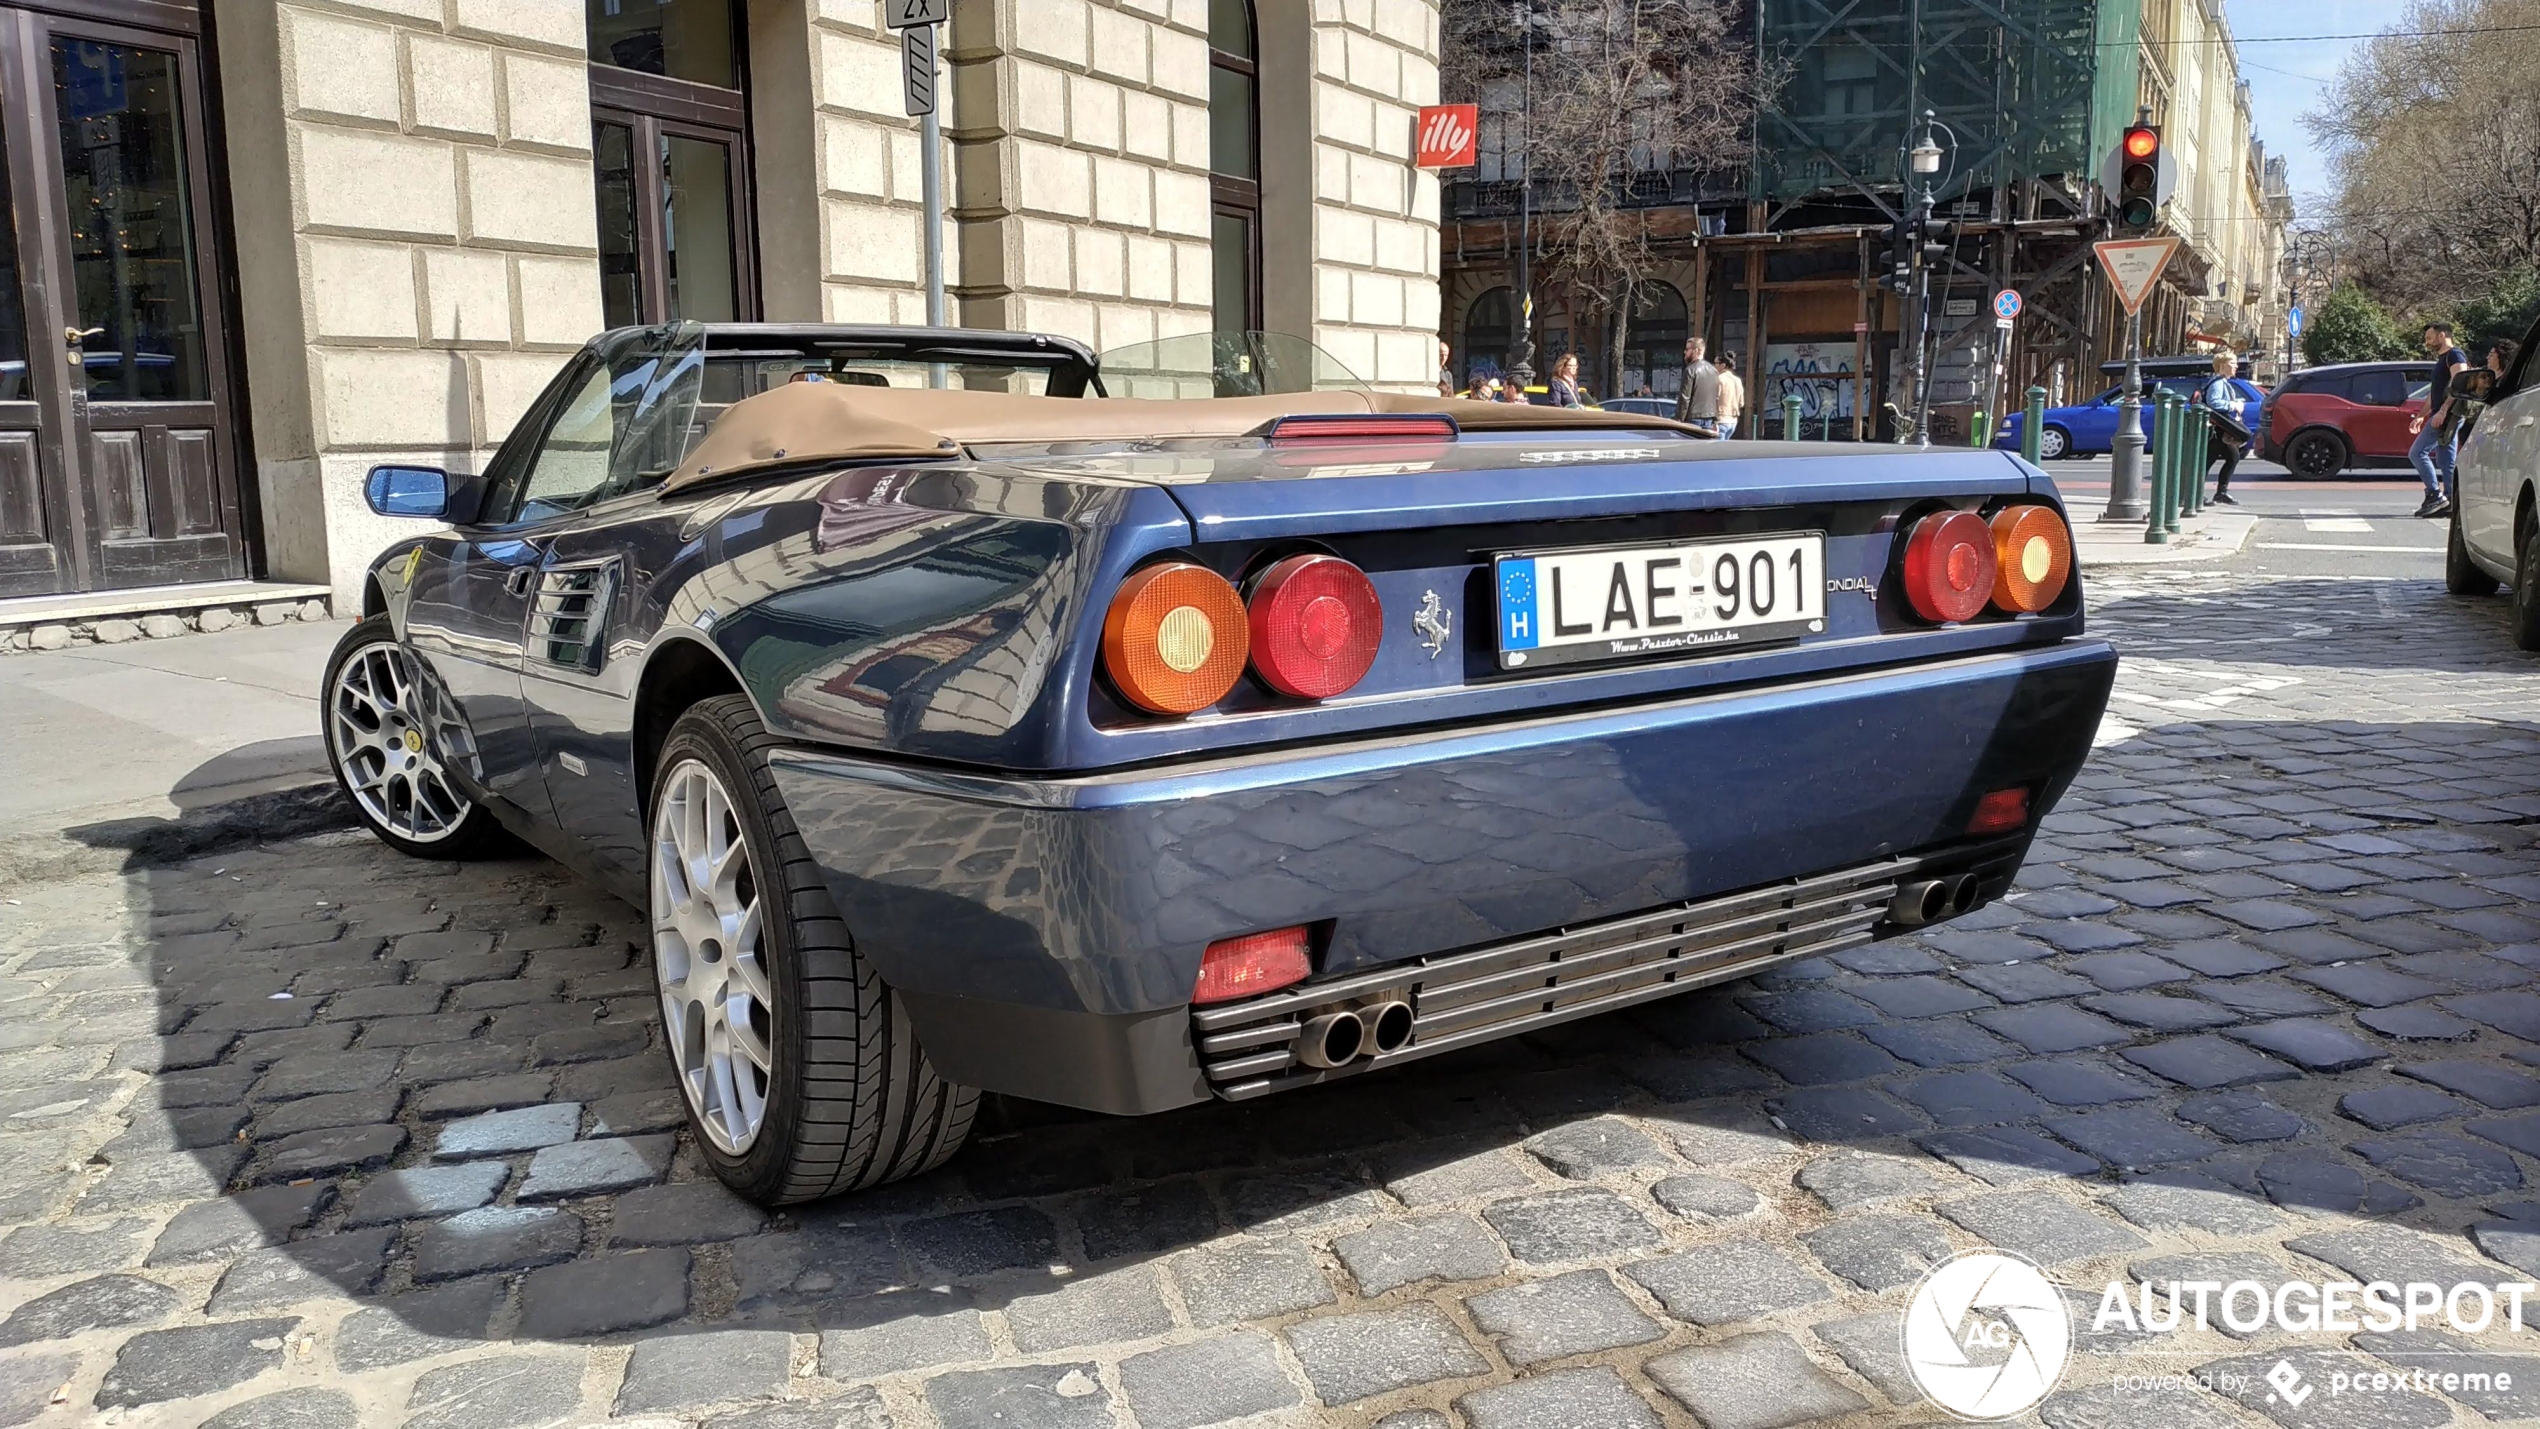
1432	620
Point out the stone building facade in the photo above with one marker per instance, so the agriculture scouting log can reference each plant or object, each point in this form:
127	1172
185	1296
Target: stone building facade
406	213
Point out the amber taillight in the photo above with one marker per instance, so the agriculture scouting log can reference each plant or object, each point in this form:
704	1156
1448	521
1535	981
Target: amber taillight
1175	639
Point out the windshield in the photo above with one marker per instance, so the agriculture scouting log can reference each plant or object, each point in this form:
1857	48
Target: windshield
1224	364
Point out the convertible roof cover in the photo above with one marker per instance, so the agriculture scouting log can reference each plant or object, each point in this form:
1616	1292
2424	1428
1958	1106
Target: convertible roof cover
828	421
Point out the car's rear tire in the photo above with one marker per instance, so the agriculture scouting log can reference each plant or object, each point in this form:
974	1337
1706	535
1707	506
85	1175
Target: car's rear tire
2318	455
2053	443
801	1073
2527	587
391	739
2461	575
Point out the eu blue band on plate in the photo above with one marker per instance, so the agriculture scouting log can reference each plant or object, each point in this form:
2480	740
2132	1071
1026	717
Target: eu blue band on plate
1517	623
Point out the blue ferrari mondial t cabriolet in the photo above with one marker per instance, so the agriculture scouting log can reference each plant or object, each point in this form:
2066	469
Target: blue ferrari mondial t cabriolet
963	724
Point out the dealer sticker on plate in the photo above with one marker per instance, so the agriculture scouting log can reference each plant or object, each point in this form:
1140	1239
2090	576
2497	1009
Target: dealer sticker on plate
1561	607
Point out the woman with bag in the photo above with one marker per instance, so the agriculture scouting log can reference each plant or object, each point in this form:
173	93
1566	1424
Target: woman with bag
2221	399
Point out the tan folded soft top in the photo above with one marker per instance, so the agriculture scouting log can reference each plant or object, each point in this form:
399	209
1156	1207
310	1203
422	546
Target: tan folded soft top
836	421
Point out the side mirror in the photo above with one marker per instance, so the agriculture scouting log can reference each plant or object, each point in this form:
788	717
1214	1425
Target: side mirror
407	491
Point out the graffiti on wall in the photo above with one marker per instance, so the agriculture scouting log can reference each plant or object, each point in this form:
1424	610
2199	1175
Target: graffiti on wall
1818	373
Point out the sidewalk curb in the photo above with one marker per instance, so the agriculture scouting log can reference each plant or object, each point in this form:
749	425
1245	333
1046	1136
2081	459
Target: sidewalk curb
127	844
2210	536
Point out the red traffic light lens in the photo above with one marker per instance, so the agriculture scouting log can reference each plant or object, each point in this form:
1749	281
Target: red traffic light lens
2141	143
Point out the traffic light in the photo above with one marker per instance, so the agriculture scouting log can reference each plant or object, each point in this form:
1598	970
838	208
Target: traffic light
2137	177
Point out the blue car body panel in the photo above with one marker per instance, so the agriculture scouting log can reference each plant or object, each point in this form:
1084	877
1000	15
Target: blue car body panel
2092	425
1035	867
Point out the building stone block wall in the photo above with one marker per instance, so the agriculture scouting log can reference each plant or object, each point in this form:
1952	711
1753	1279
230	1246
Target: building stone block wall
412	187
1083	193
1375	215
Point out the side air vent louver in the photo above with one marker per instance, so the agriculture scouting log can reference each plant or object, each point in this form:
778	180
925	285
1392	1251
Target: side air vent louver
568	625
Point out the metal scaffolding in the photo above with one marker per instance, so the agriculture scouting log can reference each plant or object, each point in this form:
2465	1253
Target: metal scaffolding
2019	81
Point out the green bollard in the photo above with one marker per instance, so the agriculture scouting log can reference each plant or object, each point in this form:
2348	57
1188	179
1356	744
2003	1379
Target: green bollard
2181	420
1790	417
2164	431
2203	442
2033	424
1980	429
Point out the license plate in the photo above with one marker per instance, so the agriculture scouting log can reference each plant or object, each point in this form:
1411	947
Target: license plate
1562	607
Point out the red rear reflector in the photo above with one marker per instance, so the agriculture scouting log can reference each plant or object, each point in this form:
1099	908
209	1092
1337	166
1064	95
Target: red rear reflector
1316	624
1950	566
1346	427
1252	964
2000	812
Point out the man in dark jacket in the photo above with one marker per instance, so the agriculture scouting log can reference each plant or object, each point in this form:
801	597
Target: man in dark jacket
2431	452
1698	400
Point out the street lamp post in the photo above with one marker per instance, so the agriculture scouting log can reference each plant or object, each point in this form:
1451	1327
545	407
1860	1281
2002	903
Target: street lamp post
1521	354
1922	163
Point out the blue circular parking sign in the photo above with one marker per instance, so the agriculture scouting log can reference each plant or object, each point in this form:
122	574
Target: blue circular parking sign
2006	305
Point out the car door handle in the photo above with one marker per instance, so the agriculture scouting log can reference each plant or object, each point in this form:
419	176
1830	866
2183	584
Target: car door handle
2527	421
517	583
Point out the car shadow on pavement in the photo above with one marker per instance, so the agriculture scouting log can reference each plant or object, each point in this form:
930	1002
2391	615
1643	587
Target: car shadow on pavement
347	1119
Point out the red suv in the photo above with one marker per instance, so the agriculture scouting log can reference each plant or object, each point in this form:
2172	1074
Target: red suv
2322	420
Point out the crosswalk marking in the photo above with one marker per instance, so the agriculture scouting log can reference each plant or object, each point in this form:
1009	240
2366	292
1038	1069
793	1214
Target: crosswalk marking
2333	520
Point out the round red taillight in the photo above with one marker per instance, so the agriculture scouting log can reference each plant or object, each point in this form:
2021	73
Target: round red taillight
1316	624
1949	566
1174	639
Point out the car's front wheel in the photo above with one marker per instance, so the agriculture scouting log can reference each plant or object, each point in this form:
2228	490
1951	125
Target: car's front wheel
2053	443
391	739
2461	575
802	1075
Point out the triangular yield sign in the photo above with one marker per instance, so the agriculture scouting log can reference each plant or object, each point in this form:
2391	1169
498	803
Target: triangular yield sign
2134	265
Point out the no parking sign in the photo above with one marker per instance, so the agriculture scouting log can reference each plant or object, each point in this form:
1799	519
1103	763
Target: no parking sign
2006	305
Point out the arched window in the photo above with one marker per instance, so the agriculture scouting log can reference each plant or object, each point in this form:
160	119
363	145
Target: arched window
1234	163
1488	325
1654	342
670	140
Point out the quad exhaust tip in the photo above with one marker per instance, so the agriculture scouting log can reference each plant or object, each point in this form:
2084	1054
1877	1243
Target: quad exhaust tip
1932	899
1331	1040
1388	1026
1336	1039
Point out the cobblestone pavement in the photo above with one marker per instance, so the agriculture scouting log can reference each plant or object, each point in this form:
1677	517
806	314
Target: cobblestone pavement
313	1135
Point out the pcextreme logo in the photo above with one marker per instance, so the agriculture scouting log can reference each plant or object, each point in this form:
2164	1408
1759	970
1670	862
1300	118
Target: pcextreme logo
1986	1335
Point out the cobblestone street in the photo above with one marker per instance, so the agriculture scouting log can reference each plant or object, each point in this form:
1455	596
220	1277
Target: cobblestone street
312	1135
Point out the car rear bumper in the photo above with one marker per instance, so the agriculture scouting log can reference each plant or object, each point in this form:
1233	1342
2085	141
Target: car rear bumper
1044	934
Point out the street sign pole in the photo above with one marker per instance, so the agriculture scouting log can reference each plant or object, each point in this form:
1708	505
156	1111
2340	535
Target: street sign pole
917	22
2133	266
2126	501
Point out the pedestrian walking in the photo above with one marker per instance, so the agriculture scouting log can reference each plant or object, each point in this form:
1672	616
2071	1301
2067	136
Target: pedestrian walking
2432	451
2226	436
1698	400
1563	389
1732	395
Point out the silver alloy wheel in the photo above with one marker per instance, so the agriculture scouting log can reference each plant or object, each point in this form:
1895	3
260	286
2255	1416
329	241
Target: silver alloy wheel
2052	443
710	956
389	746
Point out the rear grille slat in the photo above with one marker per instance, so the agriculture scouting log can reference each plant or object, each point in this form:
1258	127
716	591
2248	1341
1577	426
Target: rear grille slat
1458	999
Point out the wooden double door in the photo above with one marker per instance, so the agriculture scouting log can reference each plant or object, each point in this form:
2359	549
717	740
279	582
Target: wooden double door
118	445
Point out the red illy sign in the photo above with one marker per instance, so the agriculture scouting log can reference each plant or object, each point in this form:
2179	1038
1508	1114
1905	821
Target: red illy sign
1446	135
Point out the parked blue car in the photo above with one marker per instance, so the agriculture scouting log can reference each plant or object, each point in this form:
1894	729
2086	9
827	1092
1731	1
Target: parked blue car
2090	428
1130	753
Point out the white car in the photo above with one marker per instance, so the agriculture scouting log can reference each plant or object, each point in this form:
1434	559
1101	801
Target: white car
2496	520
